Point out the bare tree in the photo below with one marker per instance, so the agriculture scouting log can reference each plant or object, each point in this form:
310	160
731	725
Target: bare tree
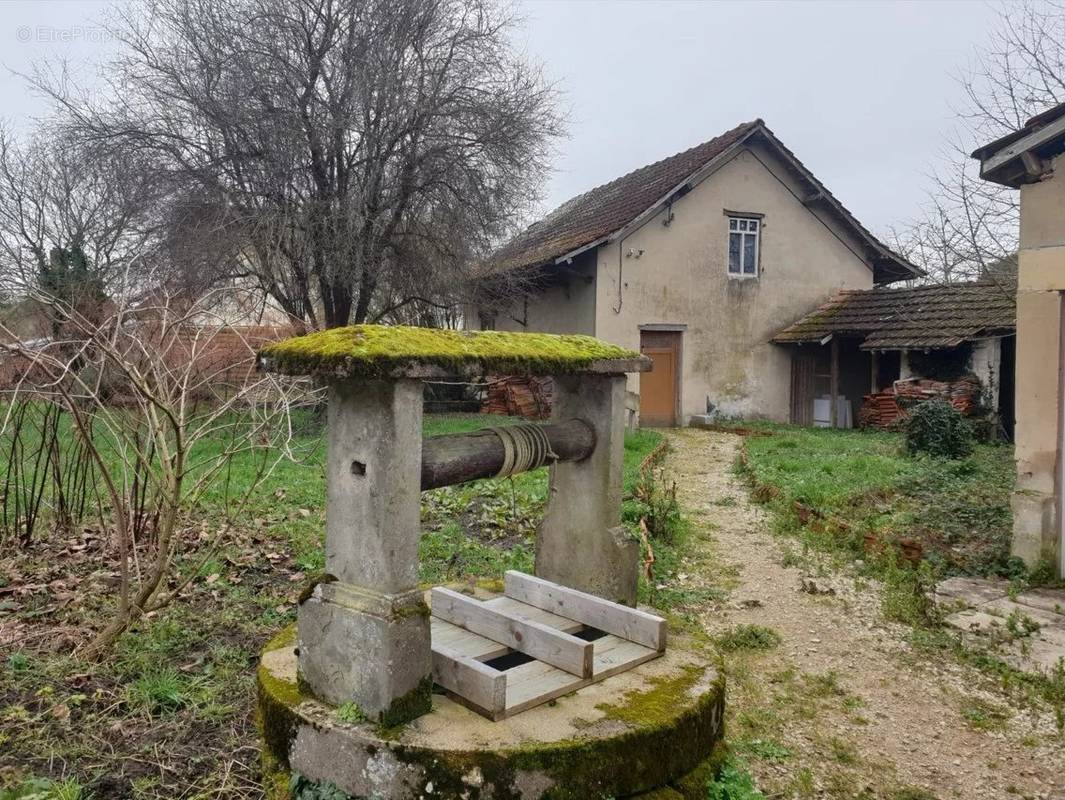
164	399
969	227
72	218
326	140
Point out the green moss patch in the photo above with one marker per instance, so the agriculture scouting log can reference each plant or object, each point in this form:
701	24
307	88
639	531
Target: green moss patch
657	705
382	350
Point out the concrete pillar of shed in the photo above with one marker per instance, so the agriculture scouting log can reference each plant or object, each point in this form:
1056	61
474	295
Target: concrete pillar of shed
581	542
364	631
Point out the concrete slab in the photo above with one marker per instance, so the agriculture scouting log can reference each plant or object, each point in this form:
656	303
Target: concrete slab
1027	631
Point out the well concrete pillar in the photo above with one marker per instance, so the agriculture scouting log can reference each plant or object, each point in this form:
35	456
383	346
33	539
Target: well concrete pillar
364	631
581	542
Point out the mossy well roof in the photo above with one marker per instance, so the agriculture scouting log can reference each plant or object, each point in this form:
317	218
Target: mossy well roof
397	351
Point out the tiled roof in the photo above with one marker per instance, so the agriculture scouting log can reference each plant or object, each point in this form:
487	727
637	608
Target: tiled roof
597	214
909	319
607	208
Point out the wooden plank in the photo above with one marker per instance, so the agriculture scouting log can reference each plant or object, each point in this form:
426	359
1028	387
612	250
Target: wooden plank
518	633
833	382
536	683
614	655
465	642
484	687
536	614
628	623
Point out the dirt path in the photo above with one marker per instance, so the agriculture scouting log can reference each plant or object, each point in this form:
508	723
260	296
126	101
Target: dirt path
843	707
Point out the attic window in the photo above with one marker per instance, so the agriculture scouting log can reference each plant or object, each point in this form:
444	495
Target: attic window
743	233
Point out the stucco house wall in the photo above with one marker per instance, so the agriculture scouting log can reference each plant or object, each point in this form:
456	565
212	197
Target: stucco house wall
1041	279
566	306
681	278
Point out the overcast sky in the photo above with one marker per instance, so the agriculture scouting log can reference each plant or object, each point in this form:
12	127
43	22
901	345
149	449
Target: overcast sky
862	92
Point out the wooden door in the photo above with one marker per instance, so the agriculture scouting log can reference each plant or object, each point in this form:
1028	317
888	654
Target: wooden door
802	388
659	387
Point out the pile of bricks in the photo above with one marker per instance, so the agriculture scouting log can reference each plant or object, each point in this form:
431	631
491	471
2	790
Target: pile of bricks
885	409
519	397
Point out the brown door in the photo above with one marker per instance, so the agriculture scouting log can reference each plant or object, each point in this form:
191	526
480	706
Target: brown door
658	388
802	388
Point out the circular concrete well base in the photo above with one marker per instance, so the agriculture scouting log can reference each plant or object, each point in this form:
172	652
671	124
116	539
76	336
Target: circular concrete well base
639	732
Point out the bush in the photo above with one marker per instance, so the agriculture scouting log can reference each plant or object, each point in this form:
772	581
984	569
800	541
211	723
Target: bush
937	428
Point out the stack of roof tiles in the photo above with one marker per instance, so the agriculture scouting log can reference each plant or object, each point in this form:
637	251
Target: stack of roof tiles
887	408
519	397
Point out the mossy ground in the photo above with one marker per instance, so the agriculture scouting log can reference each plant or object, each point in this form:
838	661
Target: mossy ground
375	350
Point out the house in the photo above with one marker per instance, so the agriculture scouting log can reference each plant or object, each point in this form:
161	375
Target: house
1032	159
956	340
698	260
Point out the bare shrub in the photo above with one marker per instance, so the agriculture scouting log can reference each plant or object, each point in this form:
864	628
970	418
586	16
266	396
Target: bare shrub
164	422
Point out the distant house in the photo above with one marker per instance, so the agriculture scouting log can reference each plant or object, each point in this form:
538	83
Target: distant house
1029	159
862	342
698	260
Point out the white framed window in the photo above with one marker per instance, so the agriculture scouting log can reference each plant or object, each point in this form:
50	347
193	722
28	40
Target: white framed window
743	243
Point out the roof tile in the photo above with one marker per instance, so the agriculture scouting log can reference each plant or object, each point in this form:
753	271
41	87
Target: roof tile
924	317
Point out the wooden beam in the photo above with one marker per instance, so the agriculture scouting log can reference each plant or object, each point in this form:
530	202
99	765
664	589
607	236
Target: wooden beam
482	686
874	371
542	642
628	623
833	382
461	457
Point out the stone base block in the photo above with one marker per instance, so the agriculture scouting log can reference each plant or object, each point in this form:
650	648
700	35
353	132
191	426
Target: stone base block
365	648
604	563
1035	535
650	730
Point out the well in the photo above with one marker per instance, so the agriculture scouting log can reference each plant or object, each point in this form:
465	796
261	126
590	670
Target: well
557	688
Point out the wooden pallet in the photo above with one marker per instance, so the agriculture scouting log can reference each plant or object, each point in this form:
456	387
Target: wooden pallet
536	642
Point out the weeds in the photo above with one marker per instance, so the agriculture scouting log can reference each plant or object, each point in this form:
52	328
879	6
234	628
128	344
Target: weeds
907	592
747	637
44	789
733	782
159	691
765	749
350	713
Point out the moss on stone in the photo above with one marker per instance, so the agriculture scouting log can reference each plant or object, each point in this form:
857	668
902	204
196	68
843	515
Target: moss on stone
278	700
312	584
380	350
412	705
655	705
418	609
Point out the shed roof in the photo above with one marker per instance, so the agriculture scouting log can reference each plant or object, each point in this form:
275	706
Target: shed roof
1022	156
607	211
925	317
399	351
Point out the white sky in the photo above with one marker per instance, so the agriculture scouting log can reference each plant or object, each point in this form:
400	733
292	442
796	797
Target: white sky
862	92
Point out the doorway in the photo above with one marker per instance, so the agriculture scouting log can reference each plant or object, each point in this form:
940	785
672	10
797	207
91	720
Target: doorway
660	388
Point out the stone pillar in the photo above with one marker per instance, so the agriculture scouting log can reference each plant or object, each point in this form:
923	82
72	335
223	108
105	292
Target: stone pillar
364	631
581	542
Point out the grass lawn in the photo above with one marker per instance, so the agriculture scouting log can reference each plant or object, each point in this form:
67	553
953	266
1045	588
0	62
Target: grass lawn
850	491
170	715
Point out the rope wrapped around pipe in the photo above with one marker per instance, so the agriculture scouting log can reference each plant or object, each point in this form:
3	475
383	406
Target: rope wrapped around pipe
453	458
525	447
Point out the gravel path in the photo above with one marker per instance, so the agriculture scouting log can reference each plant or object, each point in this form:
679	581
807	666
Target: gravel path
843	707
